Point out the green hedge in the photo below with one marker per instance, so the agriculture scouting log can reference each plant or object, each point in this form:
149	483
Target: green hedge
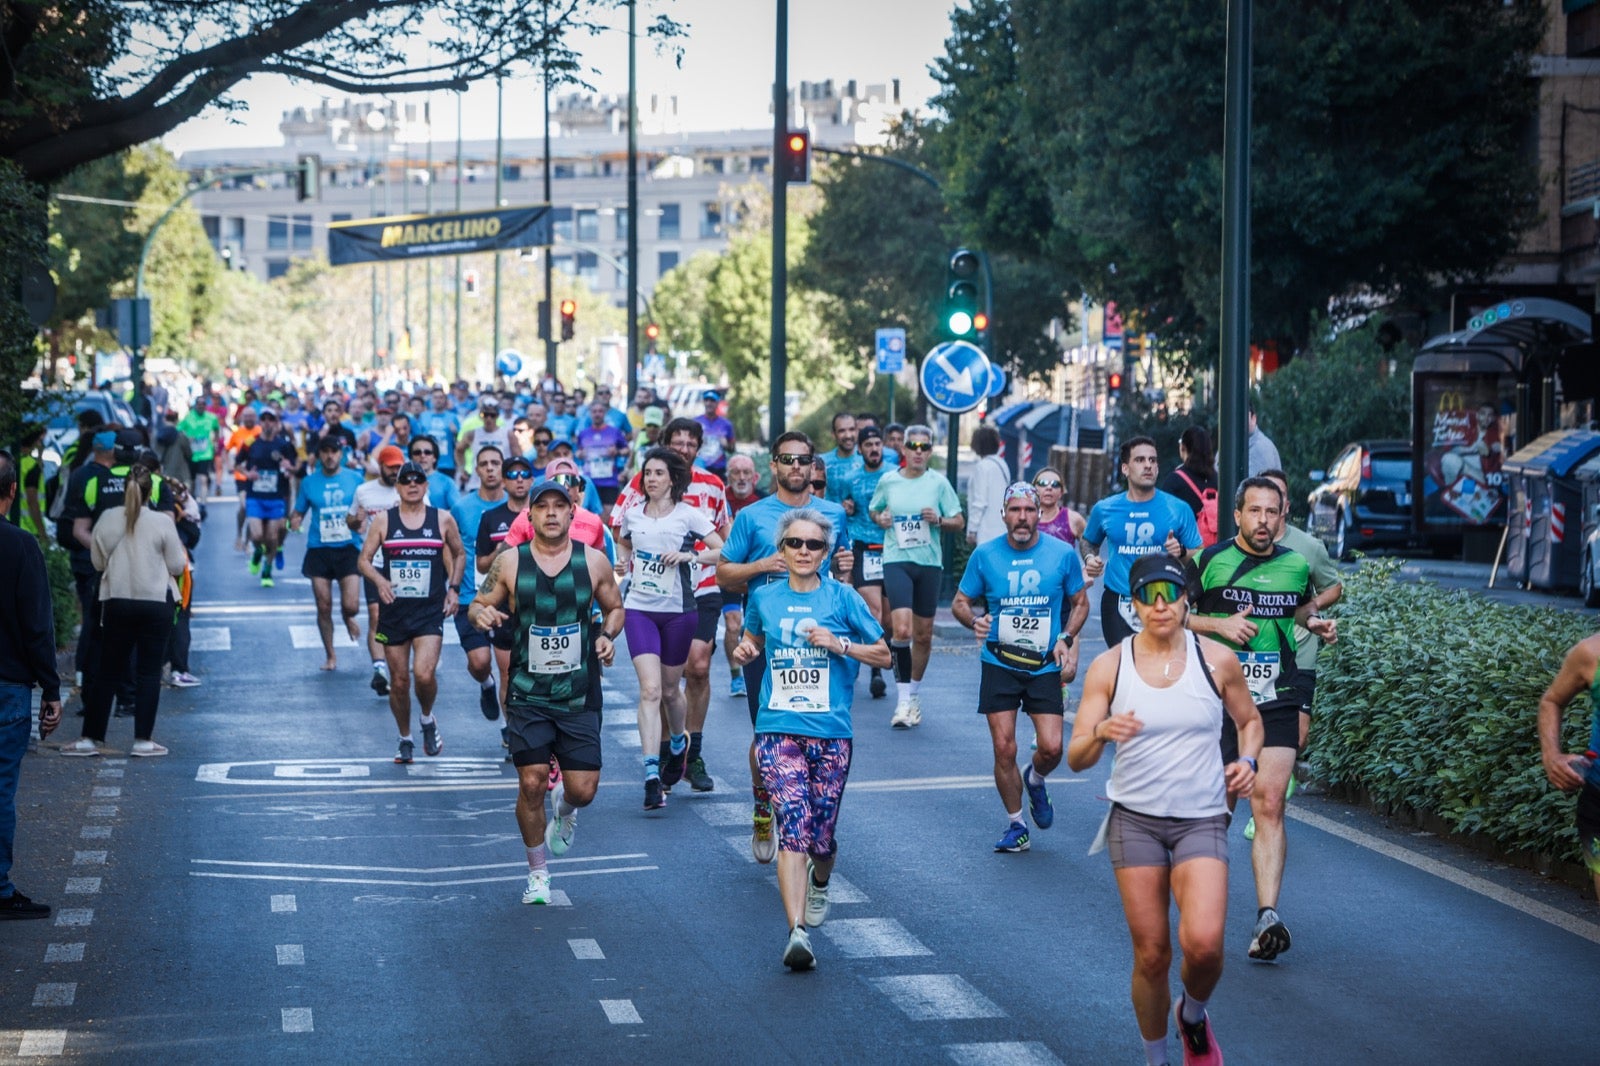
63	594
1430	700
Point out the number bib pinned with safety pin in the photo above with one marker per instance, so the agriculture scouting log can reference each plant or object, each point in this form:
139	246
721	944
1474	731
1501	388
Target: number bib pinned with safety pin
799	683
1026	628
331	526
554	649
911	531
411	581
653	577
1261	670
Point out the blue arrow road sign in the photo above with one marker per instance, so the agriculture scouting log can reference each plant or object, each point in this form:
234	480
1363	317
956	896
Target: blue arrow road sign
891	350
997	380
955	377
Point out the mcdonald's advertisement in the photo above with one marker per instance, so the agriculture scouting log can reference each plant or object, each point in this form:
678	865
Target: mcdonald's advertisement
1465	443
403	237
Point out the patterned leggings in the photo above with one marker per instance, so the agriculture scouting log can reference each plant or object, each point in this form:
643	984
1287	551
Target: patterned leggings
805	777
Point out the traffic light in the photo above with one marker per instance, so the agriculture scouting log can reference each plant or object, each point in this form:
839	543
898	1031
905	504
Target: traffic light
1114	385
469	282
961	313
569	318
652	333
308	178
797	158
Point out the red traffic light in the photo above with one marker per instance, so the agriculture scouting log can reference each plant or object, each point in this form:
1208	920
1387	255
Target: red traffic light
1114	381
652	331
980	321
797	158
569	307
797	142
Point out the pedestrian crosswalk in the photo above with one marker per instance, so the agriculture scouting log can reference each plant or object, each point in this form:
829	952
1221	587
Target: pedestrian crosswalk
299	637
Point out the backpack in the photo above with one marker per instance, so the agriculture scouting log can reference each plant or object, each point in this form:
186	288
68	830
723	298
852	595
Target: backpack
1207	518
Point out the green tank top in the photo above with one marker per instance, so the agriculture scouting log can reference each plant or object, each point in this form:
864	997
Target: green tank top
554	644
1272	586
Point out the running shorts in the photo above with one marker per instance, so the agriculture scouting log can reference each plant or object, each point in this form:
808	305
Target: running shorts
1281	725
805	777
665	634
267	510
1136	839
1000	689
335	564
913	585
534	734
709	608
472	638
406	624
858	568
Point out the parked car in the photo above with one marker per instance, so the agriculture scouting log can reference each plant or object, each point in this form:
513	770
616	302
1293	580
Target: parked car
60	412
1589	572
1364	499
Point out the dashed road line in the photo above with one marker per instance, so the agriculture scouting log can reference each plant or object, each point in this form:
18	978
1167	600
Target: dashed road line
291	954
297	1019
95	832
64	953
83	886
1003	1053
283	904
586	949
211	638
720	814
931	997
55	994
42	1043
88	858
75	916
106	792
621	1012
872	938
110	773
102	811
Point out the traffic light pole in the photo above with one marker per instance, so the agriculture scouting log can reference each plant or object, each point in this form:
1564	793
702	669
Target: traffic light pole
549	262
633	204
777	396
1233	366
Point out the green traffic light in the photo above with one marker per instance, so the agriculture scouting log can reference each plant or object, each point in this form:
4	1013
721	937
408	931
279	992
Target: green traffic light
960	323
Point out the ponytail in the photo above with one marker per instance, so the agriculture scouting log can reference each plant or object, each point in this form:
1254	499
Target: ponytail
136	490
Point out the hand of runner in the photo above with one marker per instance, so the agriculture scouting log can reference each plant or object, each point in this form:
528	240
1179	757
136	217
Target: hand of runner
1241	780
881	519
849	507
1119	727
980	627
605	650
746	652
385	590
1174	546
774	564
1237	628
1326	628
452	602
487	617
1093	567
1067	659
49	717
844	561
1559	771
818	637
677	558
930	515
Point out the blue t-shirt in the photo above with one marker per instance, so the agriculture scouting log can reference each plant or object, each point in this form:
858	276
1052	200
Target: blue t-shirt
755	533
1027	594
813	686
468	511
442	426
840	470
441	490
860	489
561	427
1136	529
327	500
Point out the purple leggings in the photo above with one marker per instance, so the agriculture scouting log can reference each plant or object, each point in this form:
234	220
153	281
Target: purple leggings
665	634
805	777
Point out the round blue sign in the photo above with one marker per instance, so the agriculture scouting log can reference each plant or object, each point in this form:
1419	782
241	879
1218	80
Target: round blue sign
956	377
509	364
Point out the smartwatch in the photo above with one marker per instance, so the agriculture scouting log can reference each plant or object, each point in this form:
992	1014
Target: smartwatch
1252	762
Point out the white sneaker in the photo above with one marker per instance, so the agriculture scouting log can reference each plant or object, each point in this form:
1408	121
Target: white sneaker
558	831
763	841
914	711
81	747
184	679
538	890
797	953
146	749
902	716
816	900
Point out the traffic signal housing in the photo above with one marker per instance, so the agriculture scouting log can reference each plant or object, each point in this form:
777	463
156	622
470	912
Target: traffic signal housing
960	317
469	282
652	333
797	158
569	318
1114	385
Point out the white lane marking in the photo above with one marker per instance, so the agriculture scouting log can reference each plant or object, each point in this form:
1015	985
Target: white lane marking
95	832
297	1019
284	904
300	772
1013	1053
55	994
929	997
116	762
42	1043
586	949
741	844
210	638
291	954
88	858
64	953
872	938
83	886
927	784
1471	882
724	813
115	772
621	1012
307	638
75	916
106	792
418	869
419	884
106	810
282	607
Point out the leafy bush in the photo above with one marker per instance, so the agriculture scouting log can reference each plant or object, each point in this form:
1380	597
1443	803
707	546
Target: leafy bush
1430	699
63	594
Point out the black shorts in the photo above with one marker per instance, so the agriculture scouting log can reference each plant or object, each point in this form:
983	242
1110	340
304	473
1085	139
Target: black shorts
608	494
1281	723
1113	626
199	467
472	638
858	572
1306	682
370	590
335	564
709	608
1589	827
913	585
534	734
1000	690
403	626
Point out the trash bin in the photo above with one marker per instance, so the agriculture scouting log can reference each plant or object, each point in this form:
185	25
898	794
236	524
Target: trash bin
1521	512
1555	545
1029	430
1004	420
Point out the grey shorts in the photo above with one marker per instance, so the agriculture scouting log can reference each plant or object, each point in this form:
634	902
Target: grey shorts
1136	839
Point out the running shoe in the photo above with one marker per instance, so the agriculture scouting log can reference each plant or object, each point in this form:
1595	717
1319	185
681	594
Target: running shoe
879	688
184	679
538	890
558	831
736	686
277	560
1039	802
699	780
431	744
266	579
146	749
654	799
1015	839
81	748
1271	938
19	906
816	899
1199	1043
553	782
914	711
1250	828
902	716
763	844
489	702
380	680
404	754
797	954
255	562
672	764
505	737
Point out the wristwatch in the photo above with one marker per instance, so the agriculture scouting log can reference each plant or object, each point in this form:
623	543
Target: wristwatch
455	588
1068	637
1252	762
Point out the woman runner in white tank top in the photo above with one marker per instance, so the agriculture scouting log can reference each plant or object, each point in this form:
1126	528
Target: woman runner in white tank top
1160	696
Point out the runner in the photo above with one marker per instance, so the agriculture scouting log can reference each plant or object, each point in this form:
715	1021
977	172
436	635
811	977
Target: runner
656	547
489	430
588	528
424	451
1576	772
517	477
1056	519
751	559
742	491
1160	696
913	504
331	553
844	461
803	729
1030	649
717	435
545	593
244	435
866	539
1141	521
1254	592
373	498
333	426
601	444
441	423
468	511
267	465
202	429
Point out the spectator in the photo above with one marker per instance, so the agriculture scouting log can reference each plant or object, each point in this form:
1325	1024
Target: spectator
1262	453
986	488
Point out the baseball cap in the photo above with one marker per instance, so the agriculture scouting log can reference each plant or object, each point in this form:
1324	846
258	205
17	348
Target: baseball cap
562	442
545	485
711	394
869	433
335	444
516	460
104	440
654	416
561	466
410	470
1157	567
388	455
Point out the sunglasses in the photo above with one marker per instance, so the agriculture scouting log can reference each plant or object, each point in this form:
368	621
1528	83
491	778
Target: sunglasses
568	481
423	451
796	543
919	446
412	479
543	440
1158	590
1047	484
518	475
794	460
819	485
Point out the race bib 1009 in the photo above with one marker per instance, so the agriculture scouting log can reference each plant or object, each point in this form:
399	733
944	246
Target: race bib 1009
799	682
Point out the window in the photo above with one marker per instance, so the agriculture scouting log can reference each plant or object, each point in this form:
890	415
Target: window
277	233
561	221
669	227
710	220
711	164
563	263
622	223
758	164
302	233
213	227
277	268
511	172
665	261
588	224
562	170
340	216
233	231
589	269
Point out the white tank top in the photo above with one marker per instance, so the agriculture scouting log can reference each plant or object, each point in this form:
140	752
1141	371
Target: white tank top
1173	768
500	437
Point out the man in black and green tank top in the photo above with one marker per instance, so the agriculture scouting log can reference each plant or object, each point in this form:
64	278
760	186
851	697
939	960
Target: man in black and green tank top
545	592
1253	591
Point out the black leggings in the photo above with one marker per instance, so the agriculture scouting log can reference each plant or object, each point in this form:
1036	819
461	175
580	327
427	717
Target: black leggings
129	629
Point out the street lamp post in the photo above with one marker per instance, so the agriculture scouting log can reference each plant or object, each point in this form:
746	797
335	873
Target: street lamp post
1233	365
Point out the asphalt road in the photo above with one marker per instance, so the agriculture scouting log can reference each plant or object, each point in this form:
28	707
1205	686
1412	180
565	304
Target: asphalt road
279	890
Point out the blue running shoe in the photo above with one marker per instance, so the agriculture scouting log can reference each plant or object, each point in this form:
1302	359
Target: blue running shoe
1016	839
1038	802
736	686
277	560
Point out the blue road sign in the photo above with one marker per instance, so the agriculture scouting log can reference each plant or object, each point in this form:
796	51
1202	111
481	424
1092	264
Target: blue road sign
955	377
509	364
891	350
997	380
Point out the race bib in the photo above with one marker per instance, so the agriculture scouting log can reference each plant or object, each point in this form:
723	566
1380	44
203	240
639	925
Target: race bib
266	482
911	531
799	684
1025	627
1129	615
411	580
601	467
653	577
331	527
872	566
1260	673
554	649
377	559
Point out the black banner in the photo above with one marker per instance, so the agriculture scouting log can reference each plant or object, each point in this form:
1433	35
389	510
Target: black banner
401	237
